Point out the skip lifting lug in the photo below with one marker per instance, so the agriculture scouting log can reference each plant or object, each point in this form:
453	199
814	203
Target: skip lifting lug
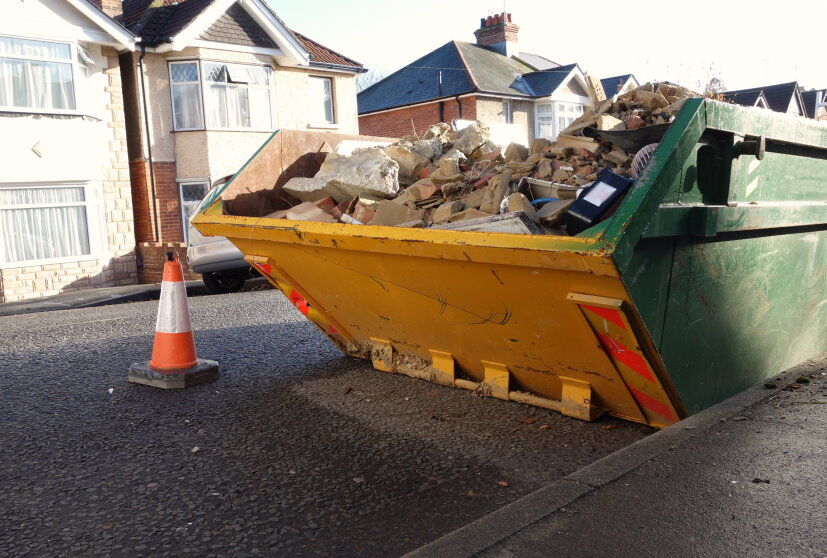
755	145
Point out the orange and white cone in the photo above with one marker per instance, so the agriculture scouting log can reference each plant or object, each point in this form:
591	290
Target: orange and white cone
174	363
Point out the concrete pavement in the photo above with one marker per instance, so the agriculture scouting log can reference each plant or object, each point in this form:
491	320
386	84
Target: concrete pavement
743	478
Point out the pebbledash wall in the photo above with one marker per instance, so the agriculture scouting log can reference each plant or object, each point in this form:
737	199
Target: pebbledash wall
416	119
86	147
203	155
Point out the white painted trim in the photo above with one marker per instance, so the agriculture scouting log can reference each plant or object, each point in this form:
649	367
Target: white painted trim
451	98
122	36
498	97
202	43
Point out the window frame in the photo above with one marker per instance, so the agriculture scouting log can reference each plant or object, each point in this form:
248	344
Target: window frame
72	61
555	114
186	182
98	242
508	111
199	62
199	82
312	123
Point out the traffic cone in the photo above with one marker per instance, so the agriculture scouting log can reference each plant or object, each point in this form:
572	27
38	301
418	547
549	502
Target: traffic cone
174	363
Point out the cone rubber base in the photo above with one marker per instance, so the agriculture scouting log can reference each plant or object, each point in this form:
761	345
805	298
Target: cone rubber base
202	373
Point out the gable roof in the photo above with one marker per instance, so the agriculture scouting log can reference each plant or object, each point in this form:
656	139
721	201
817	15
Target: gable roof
492	72
811	99
748	98
121	36
613	85
546	82
159	21
463	68
778	96
419	81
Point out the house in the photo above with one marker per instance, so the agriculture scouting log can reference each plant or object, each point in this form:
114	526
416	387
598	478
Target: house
618	85
65	198
783	97
211	80
815	103
748	98
520	95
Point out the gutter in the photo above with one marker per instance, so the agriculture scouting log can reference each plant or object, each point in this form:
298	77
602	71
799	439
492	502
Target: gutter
338	67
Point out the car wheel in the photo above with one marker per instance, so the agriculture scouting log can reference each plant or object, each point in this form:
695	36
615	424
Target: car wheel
217	283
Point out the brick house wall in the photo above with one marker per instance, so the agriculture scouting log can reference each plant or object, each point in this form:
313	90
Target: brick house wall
119	266
405	120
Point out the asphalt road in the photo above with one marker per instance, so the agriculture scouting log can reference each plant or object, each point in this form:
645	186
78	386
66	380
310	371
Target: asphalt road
295	450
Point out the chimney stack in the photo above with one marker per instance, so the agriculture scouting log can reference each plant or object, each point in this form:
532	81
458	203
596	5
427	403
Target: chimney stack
112	8
497	32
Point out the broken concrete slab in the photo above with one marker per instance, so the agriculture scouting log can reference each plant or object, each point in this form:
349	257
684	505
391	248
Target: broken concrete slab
511	223
472	137
410	162
518	202
389	213
309	211
444	212
552	213
515	152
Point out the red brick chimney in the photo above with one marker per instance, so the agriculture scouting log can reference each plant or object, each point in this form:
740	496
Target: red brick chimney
112	8
499	33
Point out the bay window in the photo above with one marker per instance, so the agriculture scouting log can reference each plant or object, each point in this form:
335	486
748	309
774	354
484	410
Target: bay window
321	101
552	117
45	222
36	75
186	96
235	96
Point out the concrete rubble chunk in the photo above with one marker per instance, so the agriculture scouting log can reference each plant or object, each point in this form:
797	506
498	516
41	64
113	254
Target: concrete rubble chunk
577	142
472	137
448	169
342	178
444	212
439	132
617	156
389	213
518	202
539	145
552	213
430	149
409	161
515	152
498	188
309	211
609	122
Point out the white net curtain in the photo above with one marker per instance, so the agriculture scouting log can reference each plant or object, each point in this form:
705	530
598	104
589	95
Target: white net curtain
36	74
41	223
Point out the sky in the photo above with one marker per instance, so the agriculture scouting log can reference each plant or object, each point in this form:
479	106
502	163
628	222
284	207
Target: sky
744	43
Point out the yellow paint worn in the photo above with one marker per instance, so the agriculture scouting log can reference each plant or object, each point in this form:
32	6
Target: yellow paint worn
481	307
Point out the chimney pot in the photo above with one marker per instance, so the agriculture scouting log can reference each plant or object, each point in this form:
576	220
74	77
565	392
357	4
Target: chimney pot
498	33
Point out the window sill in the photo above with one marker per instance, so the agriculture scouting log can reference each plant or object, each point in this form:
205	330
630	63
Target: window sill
53	261
324	126
247	130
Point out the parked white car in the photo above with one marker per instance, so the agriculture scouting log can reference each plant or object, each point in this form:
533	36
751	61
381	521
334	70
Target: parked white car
221	265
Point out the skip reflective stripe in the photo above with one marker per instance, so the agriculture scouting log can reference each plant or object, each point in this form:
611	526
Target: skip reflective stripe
173	312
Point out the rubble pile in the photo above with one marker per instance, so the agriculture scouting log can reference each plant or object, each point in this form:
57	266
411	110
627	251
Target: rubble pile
461	180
